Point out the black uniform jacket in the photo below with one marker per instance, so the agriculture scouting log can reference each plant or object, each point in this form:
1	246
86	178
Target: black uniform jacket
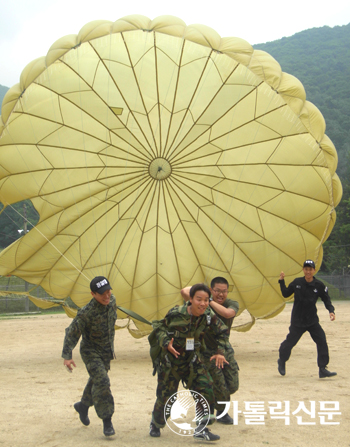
306	294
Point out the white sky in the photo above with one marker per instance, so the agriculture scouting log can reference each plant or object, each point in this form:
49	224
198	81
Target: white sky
29	27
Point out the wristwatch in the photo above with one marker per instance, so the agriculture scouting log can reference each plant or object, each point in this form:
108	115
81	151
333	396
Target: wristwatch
210	299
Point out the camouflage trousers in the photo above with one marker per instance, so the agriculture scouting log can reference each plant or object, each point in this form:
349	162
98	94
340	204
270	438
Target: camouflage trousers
167	386
97	391
225	380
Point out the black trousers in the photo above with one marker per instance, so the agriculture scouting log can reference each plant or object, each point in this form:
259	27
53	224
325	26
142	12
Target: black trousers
317	334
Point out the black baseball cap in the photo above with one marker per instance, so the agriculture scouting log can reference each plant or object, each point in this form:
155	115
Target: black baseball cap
100	284
309	263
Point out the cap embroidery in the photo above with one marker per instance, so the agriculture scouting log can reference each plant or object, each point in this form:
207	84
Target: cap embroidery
101	283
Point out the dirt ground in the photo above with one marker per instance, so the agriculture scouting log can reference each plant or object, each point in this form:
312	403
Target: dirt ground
37	394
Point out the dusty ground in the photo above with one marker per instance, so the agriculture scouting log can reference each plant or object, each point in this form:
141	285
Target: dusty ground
37	393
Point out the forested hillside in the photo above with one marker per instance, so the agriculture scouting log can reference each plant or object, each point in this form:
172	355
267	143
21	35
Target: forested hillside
320	59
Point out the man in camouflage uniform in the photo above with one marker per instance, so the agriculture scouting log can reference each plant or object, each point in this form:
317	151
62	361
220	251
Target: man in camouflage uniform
95	323
180	358
225	379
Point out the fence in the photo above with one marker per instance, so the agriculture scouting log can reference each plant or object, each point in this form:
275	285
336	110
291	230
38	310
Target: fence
339	288
18	304
339	285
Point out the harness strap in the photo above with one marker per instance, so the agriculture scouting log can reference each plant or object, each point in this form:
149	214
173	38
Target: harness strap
133	315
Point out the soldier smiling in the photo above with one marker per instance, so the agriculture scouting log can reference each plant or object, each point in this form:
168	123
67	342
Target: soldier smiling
95	324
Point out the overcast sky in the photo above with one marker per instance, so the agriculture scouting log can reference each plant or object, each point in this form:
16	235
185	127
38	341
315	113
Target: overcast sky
29	27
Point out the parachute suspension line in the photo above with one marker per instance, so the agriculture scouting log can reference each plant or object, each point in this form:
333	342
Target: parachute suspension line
219	253
58	119
158	128
210	261
24	219
98	249
173	153
230	234
232	230
117	261
92	249
33	172
251	194
159	169
63	256
215	193
130	223
61	144
163	173
13	221
240	175
127	159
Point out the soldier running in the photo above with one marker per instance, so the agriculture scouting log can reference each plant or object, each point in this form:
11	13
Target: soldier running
179	337
95	323
226	381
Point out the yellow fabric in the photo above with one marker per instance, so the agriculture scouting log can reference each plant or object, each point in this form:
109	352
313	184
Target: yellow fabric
160	155
71	313
43	304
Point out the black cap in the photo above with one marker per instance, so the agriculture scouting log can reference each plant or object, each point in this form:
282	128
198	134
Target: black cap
100	284
309	263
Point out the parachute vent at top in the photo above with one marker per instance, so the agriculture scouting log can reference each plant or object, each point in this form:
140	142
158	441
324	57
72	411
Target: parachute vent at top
161	155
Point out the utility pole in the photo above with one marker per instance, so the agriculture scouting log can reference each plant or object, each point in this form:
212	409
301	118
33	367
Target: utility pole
25	217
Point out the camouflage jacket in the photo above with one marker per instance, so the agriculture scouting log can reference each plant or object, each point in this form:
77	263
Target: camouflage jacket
210	337
180	325
95	323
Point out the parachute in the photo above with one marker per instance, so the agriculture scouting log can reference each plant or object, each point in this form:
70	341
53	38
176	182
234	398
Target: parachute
161	155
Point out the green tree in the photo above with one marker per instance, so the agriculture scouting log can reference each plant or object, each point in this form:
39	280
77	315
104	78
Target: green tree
337	247
320	59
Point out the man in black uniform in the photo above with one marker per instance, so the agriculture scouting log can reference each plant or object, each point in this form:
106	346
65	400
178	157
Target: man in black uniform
304	317
95	323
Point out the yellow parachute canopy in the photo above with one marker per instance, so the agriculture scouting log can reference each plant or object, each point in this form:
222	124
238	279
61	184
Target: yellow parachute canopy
161	155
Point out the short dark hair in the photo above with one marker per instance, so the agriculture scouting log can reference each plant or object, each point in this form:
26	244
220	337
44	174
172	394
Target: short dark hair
197	287
218	280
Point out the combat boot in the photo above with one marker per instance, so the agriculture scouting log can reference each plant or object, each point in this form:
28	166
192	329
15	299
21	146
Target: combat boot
83	412
281	367
227	420
205	434
154	431
108	429
323	372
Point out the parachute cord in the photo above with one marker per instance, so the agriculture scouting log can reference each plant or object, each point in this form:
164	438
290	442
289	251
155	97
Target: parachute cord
63	256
